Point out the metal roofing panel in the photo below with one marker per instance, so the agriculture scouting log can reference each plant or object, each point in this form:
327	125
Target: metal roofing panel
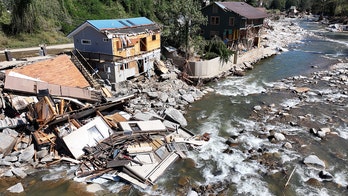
119	23
242	9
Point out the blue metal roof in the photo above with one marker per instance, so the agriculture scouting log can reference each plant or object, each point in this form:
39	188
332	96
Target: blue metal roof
119	23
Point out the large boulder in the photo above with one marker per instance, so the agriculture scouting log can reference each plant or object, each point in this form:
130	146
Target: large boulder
27	154
188	97
17	188
175	115
19	172
314	161
7	143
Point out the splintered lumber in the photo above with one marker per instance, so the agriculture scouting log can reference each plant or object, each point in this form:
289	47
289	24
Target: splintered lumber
115	118
61	106
106	92
105	120
75	123
156	143
42	137
50	105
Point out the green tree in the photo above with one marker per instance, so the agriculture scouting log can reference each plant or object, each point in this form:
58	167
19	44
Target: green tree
290	3
182	20
29	16
278	4
305	5
217	48
254	3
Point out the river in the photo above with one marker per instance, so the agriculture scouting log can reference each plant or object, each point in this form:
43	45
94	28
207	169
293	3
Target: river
226	115
239	159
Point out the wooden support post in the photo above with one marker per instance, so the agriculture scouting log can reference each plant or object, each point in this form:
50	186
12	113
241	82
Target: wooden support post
235	56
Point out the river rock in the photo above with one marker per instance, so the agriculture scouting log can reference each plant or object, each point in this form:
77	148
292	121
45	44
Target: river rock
257	108
176	115
7	143
42	153
314	131
11	132
171	102
163	97
5	163
323	131
192	193
248	65
325	176
19	172
169	76
183	181
279	136
313	182
152	95
157	104
17	188
188	97
8	173
27	154
287	145
314	161
47	158
10	158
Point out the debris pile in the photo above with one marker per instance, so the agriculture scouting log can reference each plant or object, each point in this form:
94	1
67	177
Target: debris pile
40	128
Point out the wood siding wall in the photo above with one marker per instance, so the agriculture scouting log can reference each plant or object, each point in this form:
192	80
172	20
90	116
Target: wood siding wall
135	45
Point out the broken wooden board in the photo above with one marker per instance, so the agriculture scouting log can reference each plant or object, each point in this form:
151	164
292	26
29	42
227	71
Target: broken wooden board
29	86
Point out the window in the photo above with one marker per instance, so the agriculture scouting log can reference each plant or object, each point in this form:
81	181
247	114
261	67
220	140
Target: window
153	37
231	21
86	42
95	133
134	127
106	39
249	21
124	66
215	20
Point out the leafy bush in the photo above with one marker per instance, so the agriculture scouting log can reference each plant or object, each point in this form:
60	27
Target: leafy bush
210	55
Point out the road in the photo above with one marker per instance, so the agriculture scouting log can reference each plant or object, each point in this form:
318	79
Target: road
48	47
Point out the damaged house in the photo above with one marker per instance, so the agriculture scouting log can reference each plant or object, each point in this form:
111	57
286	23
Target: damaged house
118	49
234	22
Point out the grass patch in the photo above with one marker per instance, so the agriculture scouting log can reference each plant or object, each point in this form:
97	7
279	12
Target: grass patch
32	40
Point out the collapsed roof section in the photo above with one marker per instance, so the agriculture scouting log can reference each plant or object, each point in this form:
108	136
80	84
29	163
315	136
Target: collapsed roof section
59	70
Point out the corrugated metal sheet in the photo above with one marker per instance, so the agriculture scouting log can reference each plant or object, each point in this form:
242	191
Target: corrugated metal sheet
119	23
242	9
